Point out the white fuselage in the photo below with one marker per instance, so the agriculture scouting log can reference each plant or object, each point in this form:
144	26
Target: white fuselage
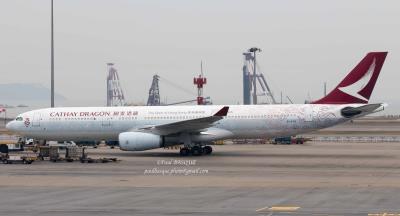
242	121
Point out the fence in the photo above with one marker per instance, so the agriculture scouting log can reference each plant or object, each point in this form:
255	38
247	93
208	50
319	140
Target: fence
357	139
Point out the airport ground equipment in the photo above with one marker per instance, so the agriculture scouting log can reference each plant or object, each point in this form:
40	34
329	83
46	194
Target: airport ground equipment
85	159
2	155
112	144
64	153
289	140
6	148
98	160
8	139
219	142
55	154
25	158
44	152
250	141
74	153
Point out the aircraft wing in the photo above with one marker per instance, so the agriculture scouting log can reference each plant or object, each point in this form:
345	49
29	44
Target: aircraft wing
191	125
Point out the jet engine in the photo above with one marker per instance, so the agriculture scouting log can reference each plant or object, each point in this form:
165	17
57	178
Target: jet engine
138	141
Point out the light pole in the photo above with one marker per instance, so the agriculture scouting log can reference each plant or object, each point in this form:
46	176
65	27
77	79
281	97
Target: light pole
5	114
52	56
254	50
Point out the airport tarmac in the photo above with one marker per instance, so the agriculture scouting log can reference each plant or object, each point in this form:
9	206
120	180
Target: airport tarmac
310	179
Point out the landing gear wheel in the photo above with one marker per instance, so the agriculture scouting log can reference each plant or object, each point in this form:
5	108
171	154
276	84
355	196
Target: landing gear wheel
197	151
184	152
207	150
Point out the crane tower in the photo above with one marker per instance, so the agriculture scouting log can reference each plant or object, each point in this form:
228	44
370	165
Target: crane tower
115	95
250	79
154	92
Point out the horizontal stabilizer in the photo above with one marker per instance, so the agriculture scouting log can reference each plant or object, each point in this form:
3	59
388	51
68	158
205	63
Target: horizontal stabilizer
350	112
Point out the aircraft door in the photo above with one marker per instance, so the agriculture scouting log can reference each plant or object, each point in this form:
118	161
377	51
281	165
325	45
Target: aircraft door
36	119
308	112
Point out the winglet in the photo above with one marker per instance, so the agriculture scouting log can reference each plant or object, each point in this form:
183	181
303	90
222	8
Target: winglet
222	112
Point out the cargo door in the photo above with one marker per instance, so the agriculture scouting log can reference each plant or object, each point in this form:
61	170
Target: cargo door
107	129
106	122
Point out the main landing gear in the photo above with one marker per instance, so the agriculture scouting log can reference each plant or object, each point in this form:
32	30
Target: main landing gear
196	151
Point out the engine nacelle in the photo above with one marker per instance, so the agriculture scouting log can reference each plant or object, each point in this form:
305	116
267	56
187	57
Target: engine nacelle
138	141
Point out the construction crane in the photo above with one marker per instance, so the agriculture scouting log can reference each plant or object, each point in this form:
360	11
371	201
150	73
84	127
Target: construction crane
154	92
250	79
187	101
115	95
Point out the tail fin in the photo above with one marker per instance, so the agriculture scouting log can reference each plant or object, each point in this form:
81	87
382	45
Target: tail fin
357	86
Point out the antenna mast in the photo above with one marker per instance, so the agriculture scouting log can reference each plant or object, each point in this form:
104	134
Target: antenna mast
200	81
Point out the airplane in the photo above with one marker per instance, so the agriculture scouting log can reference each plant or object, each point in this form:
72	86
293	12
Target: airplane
139	128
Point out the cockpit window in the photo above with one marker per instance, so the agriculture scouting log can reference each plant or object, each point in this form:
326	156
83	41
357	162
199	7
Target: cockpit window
19	118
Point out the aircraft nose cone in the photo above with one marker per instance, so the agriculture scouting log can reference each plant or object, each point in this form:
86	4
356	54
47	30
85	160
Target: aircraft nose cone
10	126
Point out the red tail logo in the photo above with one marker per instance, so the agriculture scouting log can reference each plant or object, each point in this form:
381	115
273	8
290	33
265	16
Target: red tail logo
357	86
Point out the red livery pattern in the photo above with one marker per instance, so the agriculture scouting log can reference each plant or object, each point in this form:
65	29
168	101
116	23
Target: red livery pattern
357	86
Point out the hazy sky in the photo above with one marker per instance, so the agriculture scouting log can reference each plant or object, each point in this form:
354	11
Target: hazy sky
304	43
